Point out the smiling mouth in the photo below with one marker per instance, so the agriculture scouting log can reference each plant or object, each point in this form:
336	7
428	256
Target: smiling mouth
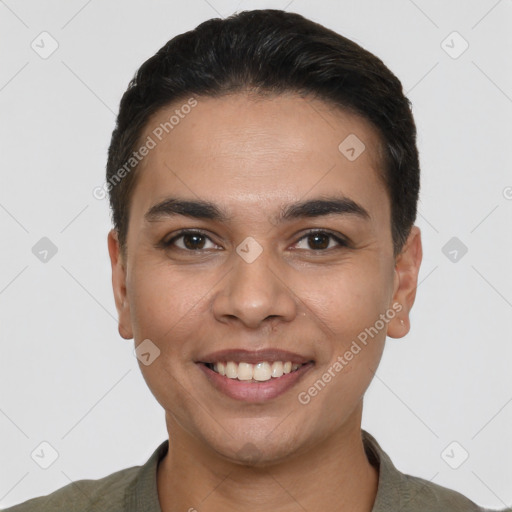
259	372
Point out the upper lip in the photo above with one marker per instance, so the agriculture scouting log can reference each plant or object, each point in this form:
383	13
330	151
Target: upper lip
253	356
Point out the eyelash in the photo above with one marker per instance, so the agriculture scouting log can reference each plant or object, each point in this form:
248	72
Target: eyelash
168	244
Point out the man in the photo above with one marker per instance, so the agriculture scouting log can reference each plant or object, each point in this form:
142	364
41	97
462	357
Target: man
263	178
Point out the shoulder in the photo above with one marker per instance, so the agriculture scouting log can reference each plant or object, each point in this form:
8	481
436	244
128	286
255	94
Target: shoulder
418	494
106	493
133	488
407	493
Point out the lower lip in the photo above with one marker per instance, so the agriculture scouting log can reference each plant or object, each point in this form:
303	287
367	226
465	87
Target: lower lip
254	391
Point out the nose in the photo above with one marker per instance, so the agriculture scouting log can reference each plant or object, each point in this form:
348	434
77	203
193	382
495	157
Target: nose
254	293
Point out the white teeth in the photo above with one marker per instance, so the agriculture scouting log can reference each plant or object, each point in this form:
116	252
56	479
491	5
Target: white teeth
260	372
245	371
231	370
277	369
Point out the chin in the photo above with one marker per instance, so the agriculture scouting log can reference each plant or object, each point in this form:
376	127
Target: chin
256	453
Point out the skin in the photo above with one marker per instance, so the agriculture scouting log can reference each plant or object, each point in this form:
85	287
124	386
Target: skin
250	157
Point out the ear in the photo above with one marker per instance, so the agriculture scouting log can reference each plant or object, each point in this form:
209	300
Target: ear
119	286
407	267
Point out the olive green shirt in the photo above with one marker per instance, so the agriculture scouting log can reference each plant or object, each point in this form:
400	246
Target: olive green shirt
134	490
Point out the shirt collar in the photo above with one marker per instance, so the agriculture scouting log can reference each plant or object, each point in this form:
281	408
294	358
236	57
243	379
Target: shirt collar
390	479
143	495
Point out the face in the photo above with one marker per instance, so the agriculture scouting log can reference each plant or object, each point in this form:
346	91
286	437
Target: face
288	249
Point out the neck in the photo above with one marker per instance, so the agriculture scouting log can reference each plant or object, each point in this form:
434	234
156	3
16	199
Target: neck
334	474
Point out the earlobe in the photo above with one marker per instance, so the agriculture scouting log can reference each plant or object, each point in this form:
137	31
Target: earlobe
407	268
119	285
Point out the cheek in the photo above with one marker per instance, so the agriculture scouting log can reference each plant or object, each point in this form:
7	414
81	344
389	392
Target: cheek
165	302
352	307
348	308
165	306
348	301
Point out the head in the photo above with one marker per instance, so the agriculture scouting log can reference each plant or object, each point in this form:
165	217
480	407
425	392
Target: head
290	151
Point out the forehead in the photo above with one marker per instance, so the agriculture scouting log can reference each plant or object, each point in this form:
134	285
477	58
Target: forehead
259	152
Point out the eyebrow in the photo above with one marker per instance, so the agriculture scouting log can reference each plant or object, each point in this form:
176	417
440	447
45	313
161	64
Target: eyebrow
201	209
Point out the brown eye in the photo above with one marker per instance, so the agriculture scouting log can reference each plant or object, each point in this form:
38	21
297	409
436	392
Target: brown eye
321	241
190	241
193	241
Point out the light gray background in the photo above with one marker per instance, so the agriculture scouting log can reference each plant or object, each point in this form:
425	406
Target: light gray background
66	376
